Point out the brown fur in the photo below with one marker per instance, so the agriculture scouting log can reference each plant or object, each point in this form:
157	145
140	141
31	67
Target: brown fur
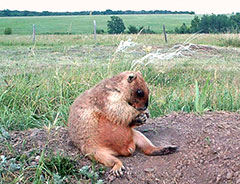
100	120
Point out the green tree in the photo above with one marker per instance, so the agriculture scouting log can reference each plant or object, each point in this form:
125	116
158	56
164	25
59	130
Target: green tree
195	24
223	24
115	25
235	22
215	24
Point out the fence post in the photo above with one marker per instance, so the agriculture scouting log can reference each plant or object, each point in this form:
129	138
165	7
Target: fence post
34	33
165	34
95	29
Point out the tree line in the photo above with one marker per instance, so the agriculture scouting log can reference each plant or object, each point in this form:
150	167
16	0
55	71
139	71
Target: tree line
212	24
13	13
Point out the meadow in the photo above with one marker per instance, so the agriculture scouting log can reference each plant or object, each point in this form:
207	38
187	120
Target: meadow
84	24
40	81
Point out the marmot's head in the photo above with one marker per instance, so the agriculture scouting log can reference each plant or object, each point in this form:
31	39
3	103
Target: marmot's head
134	89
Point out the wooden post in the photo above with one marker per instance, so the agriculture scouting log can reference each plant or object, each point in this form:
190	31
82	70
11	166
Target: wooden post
34	33
165	34
95	29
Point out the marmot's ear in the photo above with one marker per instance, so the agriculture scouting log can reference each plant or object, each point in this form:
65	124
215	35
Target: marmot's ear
131	77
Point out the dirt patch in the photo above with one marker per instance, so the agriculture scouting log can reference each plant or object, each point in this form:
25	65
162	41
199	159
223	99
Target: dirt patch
209	149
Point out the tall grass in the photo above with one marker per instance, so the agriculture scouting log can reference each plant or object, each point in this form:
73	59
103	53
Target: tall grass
232	41
34	100
34	96
201	97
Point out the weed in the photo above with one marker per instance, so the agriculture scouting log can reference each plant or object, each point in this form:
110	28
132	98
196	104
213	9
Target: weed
3	133
59	164
8	166
59	169
58	179
201	97
208	140
90	173
233	41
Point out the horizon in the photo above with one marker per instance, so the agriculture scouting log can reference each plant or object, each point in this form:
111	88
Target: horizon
199	7
99	10
119	10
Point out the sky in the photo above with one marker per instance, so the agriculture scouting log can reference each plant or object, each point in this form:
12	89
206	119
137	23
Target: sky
198	6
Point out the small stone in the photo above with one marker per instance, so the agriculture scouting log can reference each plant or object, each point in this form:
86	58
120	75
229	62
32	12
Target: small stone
33	163
228	132
149	170
237	173
218	178
111	178
178	174
238	181
229	175
179	167
37	158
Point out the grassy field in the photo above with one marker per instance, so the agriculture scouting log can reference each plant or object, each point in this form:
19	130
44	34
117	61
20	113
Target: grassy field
38	83
84	24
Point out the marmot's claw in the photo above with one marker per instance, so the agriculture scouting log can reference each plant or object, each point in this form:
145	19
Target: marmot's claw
142	118
118	173
147	113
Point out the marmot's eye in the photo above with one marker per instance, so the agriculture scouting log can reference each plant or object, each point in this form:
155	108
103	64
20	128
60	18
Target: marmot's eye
140	93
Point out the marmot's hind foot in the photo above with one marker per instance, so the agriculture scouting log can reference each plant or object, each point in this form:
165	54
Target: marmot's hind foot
165	150
106	157
148	148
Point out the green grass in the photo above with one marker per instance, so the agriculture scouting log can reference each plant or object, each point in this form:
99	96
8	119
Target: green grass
84	24
50	168
232	40
39	83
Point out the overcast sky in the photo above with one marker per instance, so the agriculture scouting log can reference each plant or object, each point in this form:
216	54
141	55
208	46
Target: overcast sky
199	6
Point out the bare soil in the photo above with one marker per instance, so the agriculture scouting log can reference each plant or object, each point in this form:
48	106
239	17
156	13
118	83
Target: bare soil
209	149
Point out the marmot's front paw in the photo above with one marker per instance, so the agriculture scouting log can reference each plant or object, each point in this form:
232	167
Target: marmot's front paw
140	119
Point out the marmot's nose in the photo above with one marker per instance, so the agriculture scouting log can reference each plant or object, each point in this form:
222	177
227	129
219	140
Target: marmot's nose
143	108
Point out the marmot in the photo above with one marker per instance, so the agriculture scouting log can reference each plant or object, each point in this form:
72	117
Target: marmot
102	120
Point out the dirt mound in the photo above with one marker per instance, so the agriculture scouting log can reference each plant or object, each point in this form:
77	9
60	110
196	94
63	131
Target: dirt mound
209	149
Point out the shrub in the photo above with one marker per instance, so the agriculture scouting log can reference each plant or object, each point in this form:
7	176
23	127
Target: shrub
132	30
232	41
115	25
100	31
8	31
146	31
183	29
